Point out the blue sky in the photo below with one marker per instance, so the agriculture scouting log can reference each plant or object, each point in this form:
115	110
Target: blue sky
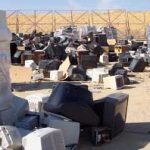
74	4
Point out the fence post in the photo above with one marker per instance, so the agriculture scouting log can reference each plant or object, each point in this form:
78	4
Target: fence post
35	17
145	25
72	23
17	21
91	17
109	19
127	24
54	21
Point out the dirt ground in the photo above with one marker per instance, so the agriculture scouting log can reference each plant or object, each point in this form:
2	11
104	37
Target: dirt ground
136	135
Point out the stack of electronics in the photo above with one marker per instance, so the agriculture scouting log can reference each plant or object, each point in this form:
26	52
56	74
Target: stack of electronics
64	113
54	122
116	80
42	139
106	117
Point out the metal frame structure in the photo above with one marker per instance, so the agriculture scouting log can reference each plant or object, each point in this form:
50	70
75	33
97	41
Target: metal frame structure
72	17
138	24
127	23
115	18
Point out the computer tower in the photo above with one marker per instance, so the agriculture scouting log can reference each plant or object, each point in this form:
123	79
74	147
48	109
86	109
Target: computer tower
44	139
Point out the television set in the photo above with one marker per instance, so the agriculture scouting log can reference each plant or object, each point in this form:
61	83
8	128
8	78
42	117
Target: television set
114	82
74	102
44	139
70	129
112	111
89	61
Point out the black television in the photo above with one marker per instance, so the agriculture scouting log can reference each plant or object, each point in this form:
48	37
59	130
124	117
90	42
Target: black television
112	111
74	102
89	61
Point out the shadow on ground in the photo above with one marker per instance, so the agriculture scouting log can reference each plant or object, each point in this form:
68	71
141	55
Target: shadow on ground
33	86
128	87
136	136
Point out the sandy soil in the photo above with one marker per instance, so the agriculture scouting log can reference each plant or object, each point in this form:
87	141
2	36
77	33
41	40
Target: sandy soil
136	135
